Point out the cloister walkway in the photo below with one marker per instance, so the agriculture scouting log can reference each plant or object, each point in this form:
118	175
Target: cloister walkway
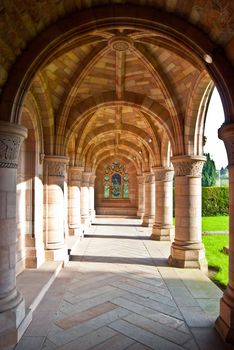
117	292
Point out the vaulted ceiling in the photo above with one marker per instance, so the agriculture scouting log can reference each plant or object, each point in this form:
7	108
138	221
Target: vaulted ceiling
120	90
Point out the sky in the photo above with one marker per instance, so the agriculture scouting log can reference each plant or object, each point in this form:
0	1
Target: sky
214	119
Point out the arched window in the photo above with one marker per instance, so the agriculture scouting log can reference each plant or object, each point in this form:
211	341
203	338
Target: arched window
115	181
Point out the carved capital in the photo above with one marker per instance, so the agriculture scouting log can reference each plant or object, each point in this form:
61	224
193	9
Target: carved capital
11	138
188	165
226	133
149	177
56	165
86	178
163	174
92	179
75	175
140	179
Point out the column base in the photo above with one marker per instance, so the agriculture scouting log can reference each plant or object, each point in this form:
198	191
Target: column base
162	233
10	323
92	214
140	214
60	254
85	220
35	253
148	221
188	256
76	230
225	322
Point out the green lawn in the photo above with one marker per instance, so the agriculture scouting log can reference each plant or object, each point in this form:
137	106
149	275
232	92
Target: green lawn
215	223
217	259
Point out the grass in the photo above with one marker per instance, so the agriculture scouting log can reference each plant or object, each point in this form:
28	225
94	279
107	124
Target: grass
217	258
215	223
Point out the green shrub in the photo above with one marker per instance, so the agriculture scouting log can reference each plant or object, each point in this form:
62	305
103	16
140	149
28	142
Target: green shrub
214	201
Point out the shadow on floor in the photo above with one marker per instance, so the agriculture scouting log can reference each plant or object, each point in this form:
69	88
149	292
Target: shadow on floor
117	236
120	260
105	224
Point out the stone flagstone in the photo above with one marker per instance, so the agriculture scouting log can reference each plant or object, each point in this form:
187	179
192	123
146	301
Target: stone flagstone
117	298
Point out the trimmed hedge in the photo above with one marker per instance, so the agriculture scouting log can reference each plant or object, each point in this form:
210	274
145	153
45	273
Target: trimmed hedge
214	201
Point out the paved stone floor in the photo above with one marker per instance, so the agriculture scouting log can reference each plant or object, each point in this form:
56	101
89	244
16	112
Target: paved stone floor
118	293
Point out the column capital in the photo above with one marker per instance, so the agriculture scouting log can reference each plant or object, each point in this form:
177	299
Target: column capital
188	165
140	179
11	138
85	178
149	177
75	174
56	165
163	173
92	179
226	133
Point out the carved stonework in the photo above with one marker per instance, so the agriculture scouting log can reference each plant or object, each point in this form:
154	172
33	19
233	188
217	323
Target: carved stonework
85	179
56	169
9	151
149	178
75	175
164	174
188	165
92	180
56	166
140	179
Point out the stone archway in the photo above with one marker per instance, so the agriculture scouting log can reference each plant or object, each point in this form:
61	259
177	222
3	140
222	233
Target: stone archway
65	117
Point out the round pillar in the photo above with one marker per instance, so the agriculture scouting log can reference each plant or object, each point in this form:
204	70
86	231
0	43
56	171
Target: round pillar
187	250
149	214
12	306
225	322
141	196
74	216
55	168
92	212
163	228
85	218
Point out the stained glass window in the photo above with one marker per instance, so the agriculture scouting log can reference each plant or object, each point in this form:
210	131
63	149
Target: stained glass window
115	181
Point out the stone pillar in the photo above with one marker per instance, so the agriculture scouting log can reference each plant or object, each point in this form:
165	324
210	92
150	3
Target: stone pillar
187	249
75	177
92	212
163	228
149	214
225	322
85	218
141	196
12	306
55	168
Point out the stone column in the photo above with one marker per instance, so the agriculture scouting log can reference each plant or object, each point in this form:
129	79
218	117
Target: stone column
12	306
75	177
55	168
187	249
225	322
149	214
163	228
92	212
141	196
85	218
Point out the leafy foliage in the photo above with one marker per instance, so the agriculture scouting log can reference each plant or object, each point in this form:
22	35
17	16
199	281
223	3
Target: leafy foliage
209	172
214	201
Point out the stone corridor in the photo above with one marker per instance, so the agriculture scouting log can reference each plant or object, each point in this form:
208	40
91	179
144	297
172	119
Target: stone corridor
117	292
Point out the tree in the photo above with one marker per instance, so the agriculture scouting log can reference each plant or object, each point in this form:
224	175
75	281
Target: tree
224	172
209	172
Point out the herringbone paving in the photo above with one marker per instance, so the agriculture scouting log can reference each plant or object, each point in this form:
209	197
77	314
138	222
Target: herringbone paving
117	293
